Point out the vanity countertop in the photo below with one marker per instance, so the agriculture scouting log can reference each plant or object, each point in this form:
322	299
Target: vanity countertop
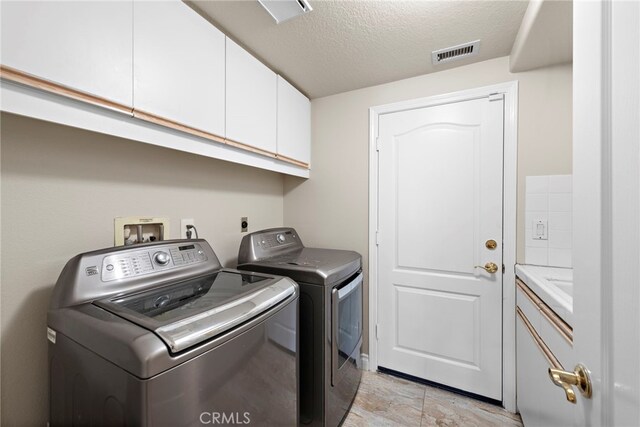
554	285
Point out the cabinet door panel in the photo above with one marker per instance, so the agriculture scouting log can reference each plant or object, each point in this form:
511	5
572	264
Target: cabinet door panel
86	46
531	310
179	67
251	100
540	402
294	122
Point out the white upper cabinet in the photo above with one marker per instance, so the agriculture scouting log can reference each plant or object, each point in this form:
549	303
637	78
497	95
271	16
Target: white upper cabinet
251	100
179	71
84	45
294	123
161	62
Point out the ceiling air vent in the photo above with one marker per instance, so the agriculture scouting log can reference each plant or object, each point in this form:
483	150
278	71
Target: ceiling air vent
455	52
283	10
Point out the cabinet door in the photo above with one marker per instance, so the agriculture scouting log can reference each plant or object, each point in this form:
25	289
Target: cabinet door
294	122
540	402
86	46
251	100
178	65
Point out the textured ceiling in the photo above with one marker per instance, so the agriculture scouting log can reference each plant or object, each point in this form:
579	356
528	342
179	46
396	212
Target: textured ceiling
346	45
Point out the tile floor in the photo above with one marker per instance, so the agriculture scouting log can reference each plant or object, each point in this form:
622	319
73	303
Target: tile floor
384	400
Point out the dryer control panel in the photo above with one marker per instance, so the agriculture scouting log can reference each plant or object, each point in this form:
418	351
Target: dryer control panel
269	243
276	239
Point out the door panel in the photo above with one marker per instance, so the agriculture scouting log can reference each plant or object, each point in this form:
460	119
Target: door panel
86	46
440	195
438	343
606	214
252	100
179	75
444	213
294	123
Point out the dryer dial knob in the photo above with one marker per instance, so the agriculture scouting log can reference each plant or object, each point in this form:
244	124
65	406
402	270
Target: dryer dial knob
280	238
161	258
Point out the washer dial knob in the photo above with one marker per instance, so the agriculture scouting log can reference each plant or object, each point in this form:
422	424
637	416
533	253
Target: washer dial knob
280	238
161	258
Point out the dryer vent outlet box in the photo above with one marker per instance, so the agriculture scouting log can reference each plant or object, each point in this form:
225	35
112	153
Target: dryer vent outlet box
454	53
283	10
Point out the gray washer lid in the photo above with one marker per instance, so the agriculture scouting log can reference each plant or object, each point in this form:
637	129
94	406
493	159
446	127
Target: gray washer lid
310	265
187	313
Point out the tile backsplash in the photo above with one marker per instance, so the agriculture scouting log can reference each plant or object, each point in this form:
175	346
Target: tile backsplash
548	220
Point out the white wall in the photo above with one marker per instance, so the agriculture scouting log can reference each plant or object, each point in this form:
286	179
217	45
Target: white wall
331	208
61	189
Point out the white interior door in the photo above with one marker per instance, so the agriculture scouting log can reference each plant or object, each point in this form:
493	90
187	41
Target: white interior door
606	214
440	205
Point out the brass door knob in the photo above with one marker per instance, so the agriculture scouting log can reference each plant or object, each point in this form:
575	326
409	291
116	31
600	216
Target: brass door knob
579	378
490	267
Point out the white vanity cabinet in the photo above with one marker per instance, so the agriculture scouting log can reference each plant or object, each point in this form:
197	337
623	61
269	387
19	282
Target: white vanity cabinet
294	123
82	45
251	100
542	342
179	66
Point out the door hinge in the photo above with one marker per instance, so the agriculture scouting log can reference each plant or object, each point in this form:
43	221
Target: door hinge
496	97
377	331
378	143
377	238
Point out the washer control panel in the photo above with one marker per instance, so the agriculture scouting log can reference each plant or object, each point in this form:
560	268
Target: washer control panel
146	261
161	258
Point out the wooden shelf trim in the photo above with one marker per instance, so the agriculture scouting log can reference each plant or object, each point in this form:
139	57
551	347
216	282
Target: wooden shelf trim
546	351
152	118
26	79
560	325
23	78
293	161
251	148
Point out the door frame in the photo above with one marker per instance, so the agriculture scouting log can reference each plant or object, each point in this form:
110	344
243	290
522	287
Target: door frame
509	213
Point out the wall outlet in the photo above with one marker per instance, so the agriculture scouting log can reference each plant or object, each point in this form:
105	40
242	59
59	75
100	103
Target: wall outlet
244	224
540	229
183	227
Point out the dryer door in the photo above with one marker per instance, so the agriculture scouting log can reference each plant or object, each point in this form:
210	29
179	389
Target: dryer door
346	324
